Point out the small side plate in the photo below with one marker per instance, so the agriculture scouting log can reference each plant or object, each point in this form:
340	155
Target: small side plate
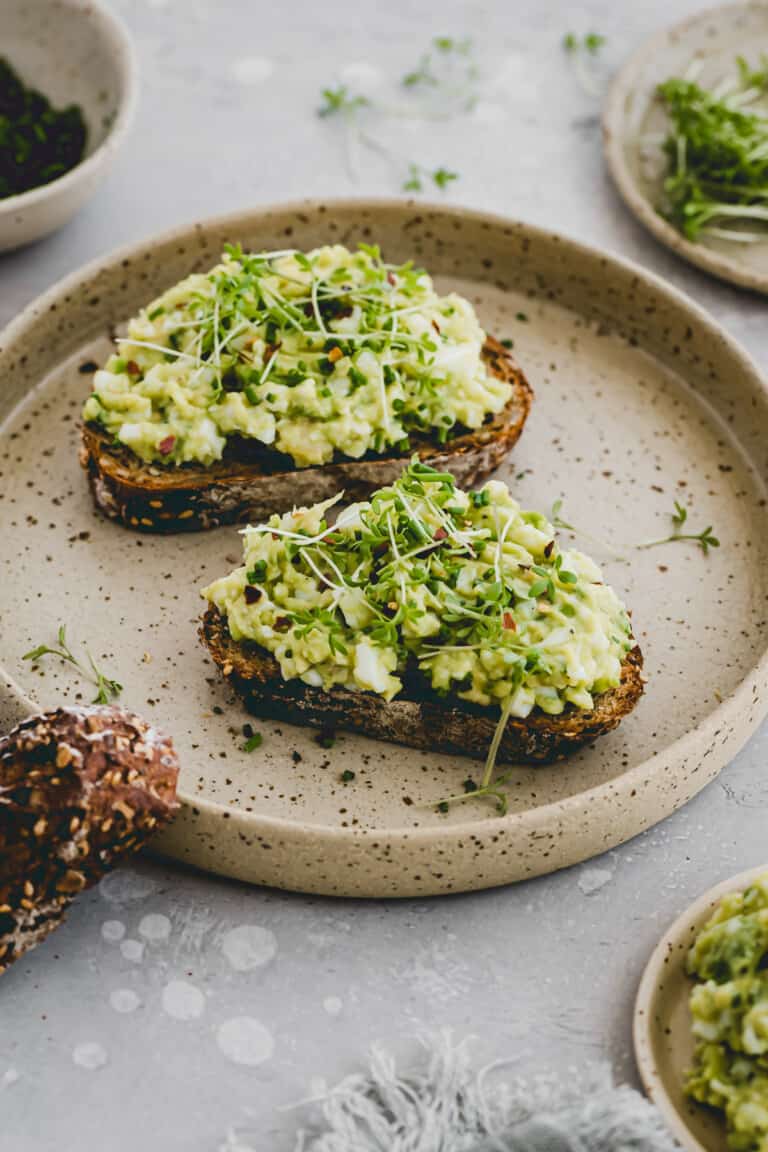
631	114
662	1026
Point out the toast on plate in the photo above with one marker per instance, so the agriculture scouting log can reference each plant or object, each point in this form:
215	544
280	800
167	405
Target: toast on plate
427	616
281	377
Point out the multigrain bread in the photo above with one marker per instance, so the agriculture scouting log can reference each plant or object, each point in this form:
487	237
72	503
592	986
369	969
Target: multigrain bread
417	717
251	482
80	788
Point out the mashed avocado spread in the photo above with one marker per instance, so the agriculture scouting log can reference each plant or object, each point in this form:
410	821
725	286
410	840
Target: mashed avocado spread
729	1008
326	353
463	591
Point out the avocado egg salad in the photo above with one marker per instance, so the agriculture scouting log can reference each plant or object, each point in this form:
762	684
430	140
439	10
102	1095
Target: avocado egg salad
317	354
428	589
729	1010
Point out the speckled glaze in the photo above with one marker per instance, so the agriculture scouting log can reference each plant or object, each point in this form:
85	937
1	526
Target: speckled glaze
662	1024
77	52
640	399
716	37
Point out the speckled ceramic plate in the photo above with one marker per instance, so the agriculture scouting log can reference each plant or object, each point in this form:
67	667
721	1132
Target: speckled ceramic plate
633	119
640	400
662	1025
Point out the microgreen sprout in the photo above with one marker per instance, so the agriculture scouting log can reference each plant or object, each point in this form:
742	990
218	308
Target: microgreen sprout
446	77
440	177
107	689
339	101
716	154
704	539
442	85
584	50
489	788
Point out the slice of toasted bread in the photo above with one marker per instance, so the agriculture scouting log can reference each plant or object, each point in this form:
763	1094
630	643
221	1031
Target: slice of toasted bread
417	717
251	481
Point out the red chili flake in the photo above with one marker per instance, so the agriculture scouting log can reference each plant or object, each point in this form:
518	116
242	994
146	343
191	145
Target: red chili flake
335	354
270	349
166	446
391	279
440	534
548	549
282	624
436	326
132	368
275	535
509	622
252	595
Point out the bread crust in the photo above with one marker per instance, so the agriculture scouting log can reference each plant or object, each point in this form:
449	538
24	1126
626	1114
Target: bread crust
417	718
251	482
80	788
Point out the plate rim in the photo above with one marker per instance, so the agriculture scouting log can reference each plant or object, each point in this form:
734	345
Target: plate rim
622	86
733	708
690	919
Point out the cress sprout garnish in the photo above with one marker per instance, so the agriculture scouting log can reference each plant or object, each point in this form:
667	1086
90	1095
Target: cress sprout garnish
716	153
107	689
584	50
441	177
441	86
431	590
704	539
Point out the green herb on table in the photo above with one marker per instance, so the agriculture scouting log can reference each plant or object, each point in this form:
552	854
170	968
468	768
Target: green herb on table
441	177
489	788
38	143
107	689
704	539
339	100
584	50
717	156
443	86
446	77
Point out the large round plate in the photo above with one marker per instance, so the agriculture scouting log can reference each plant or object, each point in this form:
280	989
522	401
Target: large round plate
641	399
663	1039
715	38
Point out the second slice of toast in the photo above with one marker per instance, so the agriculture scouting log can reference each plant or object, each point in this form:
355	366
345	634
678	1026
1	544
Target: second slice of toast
417	717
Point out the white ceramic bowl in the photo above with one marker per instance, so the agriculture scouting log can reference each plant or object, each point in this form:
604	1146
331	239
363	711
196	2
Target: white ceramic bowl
74	51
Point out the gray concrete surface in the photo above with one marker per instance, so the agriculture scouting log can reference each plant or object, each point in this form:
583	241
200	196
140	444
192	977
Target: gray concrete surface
544	972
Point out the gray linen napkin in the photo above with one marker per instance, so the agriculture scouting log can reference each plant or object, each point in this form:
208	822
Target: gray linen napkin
442	1104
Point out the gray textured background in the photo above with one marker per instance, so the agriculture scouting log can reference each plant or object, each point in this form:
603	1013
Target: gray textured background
545	971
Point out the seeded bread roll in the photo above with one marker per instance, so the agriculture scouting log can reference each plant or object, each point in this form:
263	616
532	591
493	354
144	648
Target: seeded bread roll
79	789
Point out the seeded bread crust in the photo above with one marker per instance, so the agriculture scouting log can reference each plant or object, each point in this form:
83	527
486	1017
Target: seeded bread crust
419	720
79	789
251	482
